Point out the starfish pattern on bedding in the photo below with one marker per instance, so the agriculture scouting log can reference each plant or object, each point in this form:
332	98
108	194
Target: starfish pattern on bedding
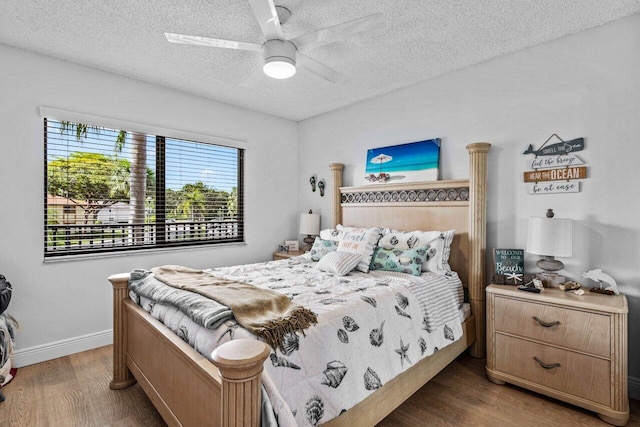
402	351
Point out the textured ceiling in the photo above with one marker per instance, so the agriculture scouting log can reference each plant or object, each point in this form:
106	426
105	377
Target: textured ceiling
421	39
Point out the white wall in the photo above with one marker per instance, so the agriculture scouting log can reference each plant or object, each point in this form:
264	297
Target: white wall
586	85
65	300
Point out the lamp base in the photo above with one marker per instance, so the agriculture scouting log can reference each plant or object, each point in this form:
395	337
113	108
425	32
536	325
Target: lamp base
308	242
549	263
550	279
549	267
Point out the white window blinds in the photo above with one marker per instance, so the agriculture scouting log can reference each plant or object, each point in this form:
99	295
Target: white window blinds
111	190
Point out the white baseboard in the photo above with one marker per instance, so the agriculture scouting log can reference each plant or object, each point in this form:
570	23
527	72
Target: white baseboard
634	388
44	352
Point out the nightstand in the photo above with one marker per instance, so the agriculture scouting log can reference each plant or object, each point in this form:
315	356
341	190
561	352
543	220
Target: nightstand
566	346
285	255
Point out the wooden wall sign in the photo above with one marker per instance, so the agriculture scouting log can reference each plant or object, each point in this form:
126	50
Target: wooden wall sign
563	147
555	167
562	174
554	188
555	162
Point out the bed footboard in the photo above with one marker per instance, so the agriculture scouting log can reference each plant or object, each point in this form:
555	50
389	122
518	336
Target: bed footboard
240	363
185	387
122	377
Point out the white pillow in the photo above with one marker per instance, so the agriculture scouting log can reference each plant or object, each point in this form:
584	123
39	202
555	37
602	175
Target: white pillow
334	234
438	251
360	241
339	263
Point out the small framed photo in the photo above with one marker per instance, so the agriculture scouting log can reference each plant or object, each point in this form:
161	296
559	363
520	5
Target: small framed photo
292	244
283	248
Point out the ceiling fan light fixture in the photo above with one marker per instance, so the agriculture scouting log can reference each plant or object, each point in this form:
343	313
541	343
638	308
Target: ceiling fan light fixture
279	68
279	59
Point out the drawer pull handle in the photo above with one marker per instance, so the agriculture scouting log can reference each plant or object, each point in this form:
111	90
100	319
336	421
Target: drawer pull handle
544	365
546	324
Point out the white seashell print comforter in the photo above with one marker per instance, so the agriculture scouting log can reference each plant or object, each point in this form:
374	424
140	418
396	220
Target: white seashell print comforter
371	327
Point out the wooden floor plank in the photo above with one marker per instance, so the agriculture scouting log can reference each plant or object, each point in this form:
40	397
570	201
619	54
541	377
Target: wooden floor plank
74	391
461	395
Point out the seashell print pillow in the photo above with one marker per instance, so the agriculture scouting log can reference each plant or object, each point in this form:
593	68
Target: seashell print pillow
360	241
438	242
320	248
334	234
403	260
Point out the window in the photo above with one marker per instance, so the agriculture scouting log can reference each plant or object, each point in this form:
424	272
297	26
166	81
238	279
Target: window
109	190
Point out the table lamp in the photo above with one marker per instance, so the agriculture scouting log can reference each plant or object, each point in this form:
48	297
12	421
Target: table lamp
550	237
309	225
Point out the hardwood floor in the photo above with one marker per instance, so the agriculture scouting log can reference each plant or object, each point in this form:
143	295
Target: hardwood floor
461	395
74	391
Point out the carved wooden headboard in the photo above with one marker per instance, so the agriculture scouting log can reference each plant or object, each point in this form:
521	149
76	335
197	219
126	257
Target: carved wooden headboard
435	205
442	206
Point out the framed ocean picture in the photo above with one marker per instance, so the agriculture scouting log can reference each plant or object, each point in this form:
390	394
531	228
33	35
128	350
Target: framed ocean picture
411	162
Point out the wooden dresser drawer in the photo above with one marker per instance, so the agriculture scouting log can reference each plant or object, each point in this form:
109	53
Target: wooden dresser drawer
578	374
577	330
588	342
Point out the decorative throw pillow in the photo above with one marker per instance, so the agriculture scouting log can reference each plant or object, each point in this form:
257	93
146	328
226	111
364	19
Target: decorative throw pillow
405	261
361	241
339	263
448	239
320	248
440	238
334	234
438	246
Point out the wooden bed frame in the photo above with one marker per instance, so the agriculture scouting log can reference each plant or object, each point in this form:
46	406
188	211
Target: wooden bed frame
189	390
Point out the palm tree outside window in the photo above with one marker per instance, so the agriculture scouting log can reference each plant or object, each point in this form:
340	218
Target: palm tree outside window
132	190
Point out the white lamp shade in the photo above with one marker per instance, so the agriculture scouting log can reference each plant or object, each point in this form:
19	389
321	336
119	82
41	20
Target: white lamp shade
310	224
549	236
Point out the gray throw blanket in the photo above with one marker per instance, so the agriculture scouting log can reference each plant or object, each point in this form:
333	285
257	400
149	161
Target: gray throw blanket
202	310
267	314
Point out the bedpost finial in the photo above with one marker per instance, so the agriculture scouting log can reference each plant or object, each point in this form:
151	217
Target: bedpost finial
478	147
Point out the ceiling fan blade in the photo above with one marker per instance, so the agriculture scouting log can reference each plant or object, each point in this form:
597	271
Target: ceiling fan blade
318	69
338	32
253	77
267	17
207	41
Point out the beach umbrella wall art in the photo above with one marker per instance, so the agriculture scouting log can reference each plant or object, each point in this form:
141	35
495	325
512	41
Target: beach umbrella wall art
379	160
412	162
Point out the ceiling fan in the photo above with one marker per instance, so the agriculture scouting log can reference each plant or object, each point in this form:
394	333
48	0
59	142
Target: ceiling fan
280	55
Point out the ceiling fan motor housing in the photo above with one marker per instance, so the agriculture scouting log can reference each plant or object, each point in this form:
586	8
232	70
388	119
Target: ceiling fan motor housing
279	50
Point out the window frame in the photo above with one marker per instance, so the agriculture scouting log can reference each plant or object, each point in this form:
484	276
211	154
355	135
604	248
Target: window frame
160	240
